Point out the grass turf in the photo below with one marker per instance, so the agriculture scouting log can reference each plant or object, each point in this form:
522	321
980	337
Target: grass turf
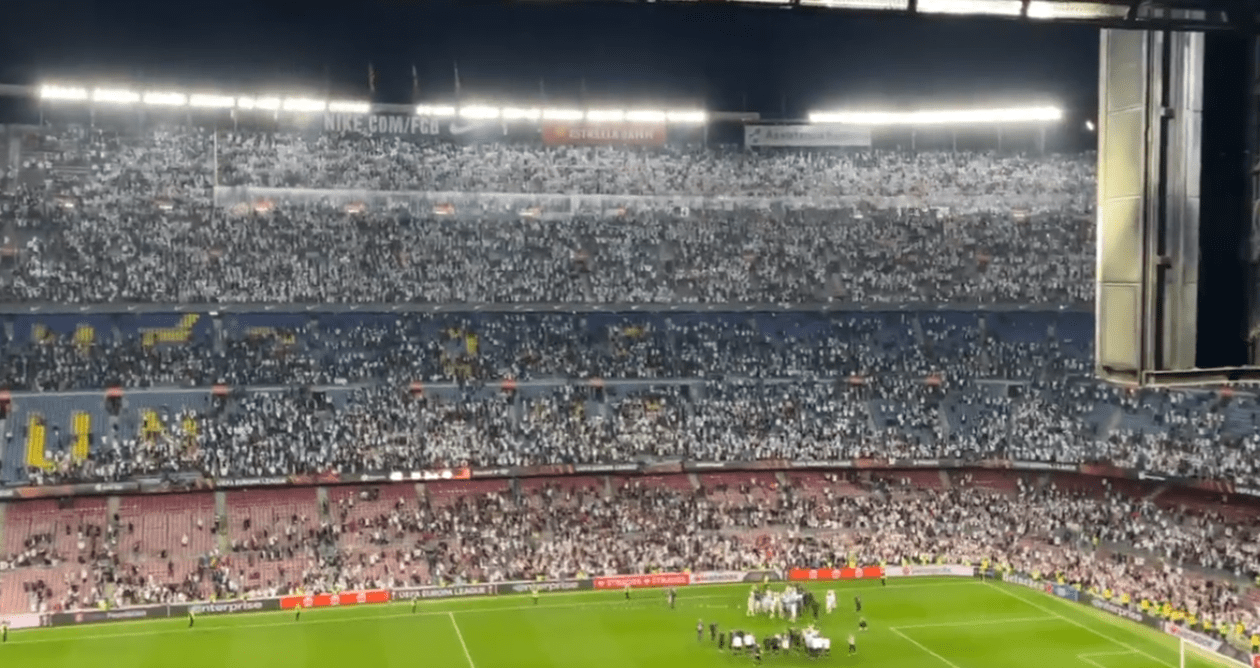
925	623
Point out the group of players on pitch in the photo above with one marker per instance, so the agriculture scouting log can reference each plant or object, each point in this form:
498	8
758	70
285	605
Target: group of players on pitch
792	602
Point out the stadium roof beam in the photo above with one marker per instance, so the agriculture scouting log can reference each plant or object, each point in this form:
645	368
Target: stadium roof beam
1176	15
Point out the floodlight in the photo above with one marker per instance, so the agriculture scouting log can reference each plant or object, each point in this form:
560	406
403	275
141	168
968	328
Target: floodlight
304	104
896	5
987	7
687	116
605	115
431	110
165	99
516	114
63	93
207	101
956	117
349	107
1044	9
264	103
115	96
562	115
478	112
645	116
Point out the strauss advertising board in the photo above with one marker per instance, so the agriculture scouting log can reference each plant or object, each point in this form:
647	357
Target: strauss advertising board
799	574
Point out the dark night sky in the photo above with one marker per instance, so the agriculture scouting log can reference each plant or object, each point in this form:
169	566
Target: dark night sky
708	55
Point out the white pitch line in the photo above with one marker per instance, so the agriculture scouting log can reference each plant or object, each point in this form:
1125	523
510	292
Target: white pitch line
1086	659
1073	622
1009	620
921	646
461	640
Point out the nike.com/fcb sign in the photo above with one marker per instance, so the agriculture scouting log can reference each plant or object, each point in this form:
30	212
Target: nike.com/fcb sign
381	124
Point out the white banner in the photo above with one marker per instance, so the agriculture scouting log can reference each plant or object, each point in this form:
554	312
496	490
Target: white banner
16	622
929	571
805	136
717	577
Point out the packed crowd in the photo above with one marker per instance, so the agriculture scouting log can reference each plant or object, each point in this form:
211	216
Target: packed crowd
385	429
1100	539
320	254
162	160
324	349
105	218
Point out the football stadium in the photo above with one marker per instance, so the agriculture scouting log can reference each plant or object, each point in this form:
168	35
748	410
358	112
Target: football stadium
425	366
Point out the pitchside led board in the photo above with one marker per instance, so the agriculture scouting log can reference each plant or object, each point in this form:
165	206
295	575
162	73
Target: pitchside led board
1156	323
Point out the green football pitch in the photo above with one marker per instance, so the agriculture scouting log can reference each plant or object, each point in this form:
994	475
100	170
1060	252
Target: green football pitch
932	623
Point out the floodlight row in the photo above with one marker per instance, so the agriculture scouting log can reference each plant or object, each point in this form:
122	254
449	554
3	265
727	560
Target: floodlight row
484	112
939	117
117	96
122	96
1037	9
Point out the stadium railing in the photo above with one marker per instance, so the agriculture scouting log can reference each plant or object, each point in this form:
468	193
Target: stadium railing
193	482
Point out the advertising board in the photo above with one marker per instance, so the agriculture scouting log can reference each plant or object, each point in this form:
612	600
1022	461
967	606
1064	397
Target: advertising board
1117	610
335	600
637	581
931	570
225	607
24	621
800	574
549	585
1206	642
455	591
605	134
806	136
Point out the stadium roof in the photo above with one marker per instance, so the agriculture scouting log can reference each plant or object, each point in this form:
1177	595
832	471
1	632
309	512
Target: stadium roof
1190	15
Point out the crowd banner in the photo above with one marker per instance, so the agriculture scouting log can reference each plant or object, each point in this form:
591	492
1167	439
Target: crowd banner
935	570
640	581
335	600
720	577
803	135
846	573
605	134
